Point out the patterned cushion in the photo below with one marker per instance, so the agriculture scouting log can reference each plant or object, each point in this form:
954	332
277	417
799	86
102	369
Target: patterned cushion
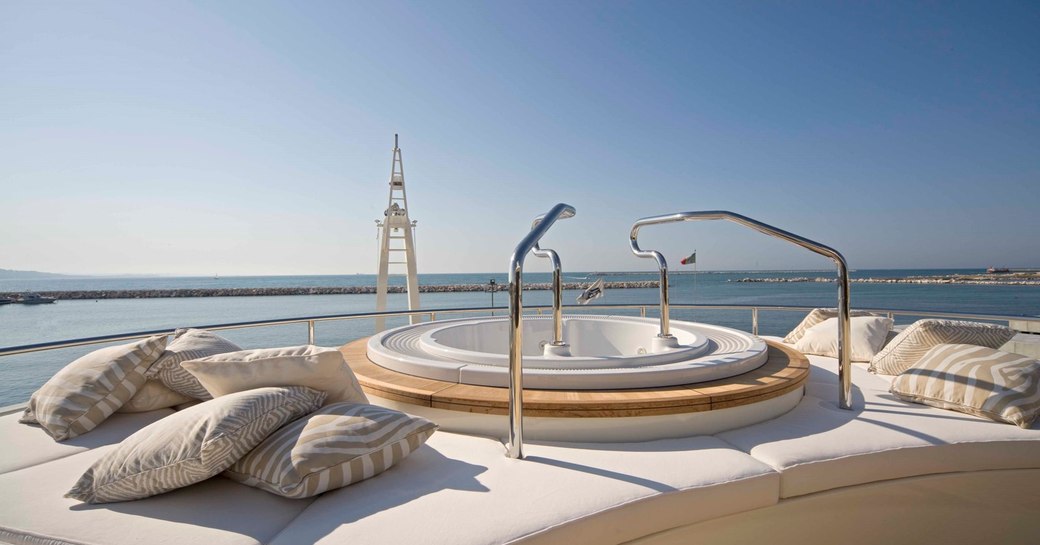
192	445
341	444
910	346
312	366
816	316
152	396
975	380
188	344
88	390
867	335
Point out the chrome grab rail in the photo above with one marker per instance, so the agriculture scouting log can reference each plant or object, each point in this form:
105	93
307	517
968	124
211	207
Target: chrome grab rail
541	225
844	350
557	285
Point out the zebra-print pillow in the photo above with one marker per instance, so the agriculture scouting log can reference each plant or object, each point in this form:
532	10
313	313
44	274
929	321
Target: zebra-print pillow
188	344
909	347
192	445
341	444
975	380
87	391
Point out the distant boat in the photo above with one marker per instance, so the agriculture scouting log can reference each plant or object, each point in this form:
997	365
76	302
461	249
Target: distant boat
35	299
6	300
998	270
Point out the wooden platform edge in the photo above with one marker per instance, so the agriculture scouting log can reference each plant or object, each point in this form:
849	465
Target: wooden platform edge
785	371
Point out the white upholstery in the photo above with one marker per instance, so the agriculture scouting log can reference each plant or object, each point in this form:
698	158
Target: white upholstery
23	445
818	446
215	512
462	489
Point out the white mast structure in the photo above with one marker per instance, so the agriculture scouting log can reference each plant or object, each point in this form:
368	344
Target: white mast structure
396	226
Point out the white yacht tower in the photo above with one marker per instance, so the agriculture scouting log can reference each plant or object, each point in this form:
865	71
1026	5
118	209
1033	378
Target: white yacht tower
396	226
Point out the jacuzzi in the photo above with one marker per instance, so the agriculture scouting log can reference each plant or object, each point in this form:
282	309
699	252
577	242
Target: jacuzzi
602	352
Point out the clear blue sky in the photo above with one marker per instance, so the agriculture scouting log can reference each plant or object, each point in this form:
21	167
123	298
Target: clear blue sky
254	137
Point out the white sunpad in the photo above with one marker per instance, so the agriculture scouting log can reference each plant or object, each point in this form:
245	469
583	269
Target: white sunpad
459	489
818	446
215	512
24	445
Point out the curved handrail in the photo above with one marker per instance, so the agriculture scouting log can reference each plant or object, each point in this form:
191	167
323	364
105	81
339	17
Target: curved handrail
844	350
557	285
540	226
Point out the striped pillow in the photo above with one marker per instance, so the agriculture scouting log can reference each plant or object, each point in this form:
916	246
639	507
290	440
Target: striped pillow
341	444
188	344
818	316
910	346
192	445
88	390
975	380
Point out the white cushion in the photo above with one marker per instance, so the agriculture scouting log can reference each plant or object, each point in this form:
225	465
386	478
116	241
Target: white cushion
215	512
462	487
867	336
315	367
25	446
818	446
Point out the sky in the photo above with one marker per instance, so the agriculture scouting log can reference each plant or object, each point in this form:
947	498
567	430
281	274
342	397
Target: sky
242	138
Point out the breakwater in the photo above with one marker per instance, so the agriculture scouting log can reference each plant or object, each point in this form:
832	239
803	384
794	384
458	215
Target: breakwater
340	290
973	280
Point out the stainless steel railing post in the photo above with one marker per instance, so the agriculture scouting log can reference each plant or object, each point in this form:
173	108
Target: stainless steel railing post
557	286
754	321
844	350
310	331
515	444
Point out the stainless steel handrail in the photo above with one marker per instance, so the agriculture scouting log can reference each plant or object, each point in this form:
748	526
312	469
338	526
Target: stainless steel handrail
515	444
844	350
557	285
86	341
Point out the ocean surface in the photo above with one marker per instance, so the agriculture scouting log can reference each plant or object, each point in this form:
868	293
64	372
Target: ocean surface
20	375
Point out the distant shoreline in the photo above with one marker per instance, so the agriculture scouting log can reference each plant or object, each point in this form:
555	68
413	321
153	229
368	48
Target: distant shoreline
1012	279
341	290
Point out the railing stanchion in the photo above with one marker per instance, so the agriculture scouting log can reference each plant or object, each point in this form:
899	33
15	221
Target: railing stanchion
310	331
754	320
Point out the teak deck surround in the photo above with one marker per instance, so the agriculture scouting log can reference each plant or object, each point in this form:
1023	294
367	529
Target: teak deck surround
784	371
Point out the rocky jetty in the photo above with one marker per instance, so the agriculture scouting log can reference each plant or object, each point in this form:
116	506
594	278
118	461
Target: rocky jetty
341	290
1016	279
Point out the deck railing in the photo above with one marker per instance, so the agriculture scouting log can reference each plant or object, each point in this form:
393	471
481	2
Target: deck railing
432	314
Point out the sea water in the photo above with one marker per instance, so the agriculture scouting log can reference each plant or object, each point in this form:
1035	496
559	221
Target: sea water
68	319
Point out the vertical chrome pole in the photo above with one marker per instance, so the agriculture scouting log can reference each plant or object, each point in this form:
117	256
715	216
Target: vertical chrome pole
515	447
557	303
844	335
754	320
310	331
665	326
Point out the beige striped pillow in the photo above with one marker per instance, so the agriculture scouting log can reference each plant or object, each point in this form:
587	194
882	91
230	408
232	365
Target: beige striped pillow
911	345
818	316
153	395
975	380
188	344
341	444
192	445
87	391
